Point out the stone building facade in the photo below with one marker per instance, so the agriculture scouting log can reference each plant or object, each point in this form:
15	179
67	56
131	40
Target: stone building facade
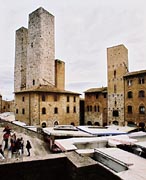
135	97
6	106
96	106
126	91
39	85
117	67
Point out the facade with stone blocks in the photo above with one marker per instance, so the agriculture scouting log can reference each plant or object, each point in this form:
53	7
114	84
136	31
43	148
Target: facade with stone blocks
135	97
39	85
126	91
96	106
6	106
117	67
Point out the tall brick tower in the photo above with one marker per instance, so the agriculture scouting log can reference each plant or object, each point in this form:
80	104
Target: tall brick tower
117	61
41	49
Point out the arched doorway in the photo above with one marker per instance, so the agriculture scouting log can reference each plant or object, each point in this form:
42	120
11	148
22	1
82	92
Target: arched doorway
56	123
142	126
97	123
72	123
44	124
116	123
89	123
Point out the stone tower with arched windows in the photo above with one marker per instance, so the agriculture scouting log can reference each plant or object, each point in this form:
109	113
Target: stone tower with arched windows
117	67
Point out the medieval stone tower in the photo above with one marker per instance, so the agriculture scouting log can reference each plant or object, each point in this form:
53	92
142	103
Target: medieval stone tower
35	52
20	59
117	61
39	85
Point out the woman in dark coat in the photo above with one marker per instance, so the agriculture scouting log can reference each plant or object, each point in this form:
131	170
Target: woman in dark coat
28	147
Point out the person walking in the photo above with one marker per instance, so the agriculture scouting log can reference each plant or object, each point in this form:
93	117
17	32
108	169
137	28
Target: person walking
28	147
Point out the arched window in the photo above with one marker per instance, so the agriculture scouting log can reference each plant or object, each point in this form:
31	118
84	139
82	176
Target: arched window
141	110
130	94
141	94
43	110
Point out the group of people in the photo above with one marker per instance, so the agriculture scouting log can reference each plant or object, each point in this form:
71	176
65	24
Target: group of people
13	144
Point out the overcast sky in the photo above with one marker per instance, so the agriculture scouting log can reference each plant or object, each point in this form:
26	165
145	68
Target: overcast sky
84	29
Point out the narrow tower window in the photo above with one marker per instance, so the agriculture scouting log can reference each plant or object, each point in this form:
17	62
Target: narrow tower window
43	97
33	82
55	110
114	73
43	110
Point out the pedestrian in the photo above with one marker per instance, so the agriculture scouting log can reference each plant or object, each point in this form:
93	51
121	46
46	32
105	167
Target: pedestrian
22	144
28	147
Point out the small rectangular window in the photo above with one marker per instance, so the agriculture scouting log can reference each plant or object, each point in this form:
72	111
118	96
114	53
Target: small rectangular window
115	113
55	110
67	109
23	111
97	95
129	109
74	109
115	88
33	82
43	97
104	95
67	98
16	111
74	98
55	97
